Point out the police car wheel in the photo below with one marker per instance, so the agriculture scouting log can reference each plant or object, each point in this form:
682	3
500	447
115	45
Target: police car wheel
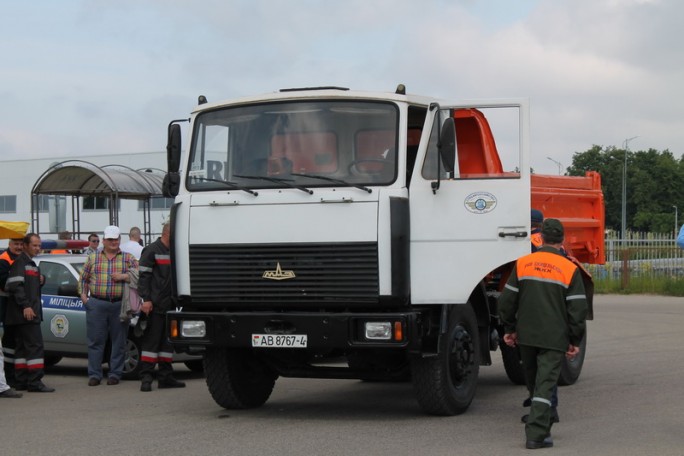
132	363
51	360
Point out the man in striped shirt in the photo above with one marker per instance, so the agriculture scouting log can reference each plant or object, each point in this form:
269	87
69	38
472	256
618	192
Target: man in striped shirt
102	286
543	310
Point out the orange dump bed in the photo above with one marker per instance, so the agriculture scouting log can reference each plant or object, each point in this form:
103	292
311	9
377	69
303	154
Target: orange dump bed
577	201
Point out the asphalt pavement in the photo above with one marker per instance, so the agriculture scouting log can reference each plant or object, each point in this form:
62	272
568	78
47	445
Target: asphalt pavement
628	401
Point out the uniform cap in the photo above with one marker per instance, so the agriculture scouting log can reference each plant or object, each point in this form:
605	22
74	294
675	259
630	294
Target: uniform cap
536	216
112	232
552	231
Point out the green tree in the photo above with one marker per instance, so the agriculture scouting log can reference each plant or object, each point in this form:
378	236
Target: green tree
654	185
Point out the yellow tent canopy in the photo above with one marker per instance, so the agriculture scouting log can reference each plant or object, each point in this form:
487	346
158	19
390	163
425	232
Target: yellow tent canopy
13	230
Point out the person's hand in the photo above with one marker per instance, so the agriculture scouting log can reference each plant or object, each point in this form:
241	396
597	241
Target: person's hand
84	298
511	339
29	314
573	350
119	276
146	307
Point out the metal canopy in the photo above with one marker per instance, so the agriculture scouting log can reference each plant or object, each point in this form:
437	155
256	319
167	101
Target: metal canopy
79	178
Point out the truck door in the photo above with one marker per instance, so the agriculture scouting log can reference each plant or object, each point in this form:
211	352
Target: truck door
466	223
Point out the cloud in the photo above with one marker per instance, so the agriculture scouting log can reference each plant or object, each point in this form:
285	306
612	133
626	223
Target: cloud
105	77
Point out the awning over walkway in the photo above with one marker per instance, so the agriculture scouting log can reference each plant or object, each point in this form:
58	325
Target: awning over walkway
80	178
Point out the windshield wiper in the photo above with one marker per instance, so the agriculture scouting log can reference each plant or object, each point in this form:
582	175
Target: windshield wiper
277	180
228	183
337	181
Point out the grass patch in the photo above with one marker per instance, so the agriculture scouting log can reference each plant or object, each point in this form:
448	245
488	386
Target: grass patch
666	286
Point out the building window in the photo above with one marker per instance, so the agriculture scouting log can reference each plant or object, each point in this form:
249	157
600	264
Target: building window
157	203
95	203
44	202
8	203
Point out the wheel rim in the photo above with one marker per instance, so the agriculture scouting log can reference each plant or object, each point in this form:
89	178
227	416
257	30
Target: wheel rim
462	357
132	356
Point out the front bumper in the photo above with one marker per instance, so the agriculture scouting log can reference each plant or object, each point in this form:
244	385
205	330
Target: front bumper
324	330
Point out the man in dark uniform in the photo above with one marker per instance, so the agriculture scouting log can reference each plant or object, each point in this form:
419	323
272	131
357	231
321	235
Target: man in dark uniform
536	222
25	312
14	249
155	288
543	310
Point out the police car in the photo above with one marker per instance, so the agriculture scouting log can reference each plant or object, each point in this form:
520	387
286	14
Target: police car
64	317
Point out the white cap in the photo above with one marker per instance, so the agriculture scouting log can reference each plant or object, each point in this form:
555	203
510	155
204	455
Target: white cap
112	232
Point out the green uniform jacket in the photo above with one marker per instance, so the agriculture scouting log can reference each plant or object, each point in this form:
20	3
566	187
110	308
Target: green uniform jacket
544	301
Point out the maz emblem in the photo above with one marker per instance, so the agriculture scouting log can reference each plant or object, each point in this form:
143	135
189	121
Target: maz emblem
278	274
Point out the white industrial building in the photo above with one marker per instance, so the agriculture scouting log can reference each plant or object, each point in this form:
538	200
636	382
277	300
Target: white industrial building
56	213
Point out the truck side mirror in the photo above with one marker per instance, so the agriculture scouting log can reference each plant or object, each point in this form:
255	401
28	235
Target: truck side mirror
447	145
173	148
171	183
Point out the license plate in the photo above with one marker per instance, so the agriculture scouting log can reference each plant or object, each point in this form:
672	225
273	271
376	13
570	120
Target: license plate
279	340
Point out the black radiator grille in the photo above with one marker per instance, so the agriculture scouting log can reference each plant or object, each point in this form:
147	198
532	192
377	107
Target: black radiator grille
324	274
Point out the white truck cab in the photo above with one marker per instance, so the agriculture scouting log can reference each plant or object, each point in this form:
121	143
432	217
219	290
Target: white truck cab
324	223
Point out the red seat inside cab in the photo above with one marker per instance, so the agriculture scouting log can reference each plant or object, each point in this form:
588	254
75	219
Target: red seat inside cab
314	152
477	154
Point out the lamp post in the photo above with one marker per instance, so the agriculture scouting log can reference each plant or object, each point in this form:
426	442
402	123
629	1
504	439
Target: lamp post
676	222
558	163
624	190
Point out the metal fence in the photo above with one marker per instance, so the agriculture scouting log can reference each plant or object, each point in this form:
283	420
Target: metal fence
640	255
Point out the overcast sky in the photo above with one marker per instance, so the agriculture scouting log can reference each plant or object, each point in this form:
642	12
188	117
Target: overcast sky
82	77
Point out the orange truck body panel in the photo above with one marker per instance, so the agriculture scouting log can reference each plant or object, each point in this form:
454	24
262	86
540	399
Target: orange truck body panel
577	201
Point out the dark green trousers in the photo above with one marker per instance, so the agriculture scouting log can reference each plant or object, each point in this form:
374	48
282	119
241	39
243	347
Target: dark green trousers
542	368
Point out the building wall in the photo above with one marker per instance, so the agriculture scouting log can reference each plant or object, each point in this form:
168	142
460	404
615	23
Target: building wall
19	177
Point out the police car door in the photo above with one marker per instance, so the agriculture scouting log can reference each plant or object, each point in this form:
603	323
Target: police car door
469	213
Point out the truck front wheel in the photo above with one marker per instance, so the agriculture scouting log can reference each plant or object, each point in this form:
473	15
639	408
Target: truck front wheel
237	379
445	384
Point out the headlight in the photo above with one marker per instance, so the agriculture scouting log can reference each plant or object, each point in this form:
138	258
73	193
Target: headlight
378	330
190	328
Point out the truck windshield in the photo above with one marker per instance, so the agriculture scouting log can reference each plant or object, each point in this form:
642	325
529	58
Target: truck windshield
295	144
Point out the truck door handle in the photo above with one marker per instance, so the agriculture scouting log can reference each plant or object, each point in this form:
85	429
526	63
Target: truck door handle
518	234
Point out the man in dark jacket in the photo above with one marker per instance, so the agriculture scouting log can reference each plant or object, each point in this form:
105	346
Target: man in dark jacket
24	313
155	288
543	310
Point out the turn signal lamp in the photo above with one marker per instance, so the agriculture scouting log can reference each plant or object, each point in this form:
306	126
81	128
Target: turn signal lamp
173	329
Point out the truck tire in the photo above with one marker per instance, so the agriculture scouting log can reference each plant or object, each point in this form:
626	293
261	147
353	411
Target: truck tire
571	370
237	379
445	384
512	363
195	365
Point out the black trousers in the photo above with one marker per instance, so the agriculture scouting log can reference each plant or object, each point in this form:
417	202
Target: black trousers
9	344
28	362
156	349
